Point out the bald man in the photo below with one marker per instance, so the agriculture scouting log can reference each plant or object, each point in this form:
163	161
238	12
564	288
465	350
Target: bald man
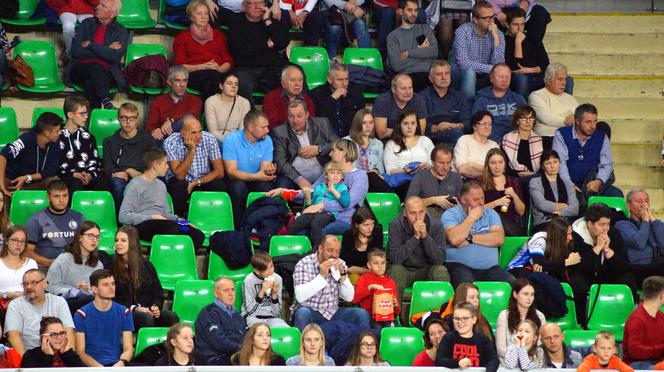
195	163
275	103
416	247
556	353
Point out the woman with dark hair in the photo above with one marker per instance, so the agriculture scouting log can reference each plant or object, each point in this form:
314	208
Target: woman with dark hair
503	193
256	349
522	146
179	346
549	251
521	306
224	111
69	274
434	331
364	234
55	349
369	150
470	149
136	283
365	351
550	194
14	263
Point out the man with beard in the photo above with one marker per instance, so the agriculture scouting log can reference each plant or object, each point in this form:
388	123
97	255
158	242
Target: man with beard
25	313
51	229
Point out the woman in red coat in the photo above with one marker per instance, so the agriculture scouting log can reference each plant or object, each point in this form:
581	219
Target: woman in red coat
202	50
70	12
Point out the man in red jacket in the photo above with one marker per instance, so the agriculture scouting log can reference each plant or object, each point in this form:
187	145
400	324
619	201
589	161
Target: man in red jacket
275	103
643	340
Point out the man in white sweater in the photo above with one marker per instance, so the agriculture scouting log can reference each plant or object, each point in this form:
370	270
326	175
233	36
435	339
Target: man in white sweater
554	107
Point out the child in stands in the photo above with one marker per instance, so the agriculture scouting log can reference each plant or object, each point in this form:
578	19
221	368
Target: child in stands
376	280
524	353
604	355
262	293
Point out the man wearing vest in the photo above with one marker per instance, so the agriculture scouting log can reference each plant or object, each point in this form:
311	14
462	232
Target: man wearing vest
585	155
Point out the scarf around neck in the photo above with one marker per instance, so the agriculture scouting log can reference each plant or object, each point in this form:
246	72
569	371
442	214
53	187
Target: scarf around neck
201	36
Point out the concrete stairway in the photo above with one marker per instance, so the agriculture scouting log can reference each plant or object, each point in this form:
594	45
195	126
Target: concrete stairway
616	61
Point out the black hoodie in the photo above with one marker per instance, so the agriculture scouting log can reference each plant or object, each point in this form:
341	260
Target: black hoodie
121	153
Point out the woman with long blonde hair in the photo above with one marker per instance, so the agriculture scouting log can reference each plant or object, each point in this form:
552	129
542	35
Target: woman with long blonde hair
312	349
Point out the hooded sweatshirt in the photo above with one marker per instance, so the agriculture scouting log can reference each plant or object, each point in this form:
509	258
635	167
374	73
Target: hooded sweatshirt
78	153
25	157
501	108
121	153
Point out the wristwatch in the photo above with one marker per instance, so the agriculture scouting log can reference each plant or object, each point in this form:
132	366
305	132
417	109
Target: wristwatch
28	178
125	361
469	238
5	295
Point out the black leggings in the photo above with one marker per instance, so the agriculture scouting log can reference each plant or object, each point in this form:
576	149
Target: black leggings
205	81
95	80
150	228
311	224
166	319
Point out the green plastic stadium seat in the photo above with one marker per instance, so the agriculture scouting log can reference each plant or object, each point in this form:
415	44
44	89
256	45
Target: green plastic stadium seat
400	345
217	268
40	55
211	211
8	126
568	322
103	123
162	20
614	304
174	259
315	63
385	206
281	245
614	202
135	14
26	8
509	248
25	203
98	206
580	338
285	341
40	110
369	57
494	297
148	336
429	296
136	51
190	297
253	196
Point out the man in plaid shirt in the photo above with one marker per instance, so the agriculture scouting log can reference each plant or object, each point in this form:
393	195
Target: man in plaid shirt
320	279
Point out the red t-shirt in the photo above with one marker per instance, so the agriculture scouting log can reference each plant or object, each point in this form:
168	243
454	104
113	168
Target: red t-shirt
422	360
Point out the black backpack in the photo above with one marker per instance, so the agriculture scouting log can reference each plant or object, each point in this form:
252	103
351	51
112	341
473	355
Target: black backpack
264	218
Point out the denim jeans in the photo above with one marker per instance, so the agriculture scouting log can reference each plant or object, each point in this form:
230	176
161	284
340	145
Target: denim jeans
354	315
336	228
117	189
333	35
468	82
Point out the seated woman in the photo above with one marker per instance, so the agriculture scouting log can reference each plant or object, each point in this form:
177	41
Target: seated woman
548	251
365	234
69	274
55	349
470	150
369	150
522	146
521	306
256	349
312	349
69	13
365	351
202	49
179	346
407	152
224	111
550	194
503	193
136	283
434	331
13	264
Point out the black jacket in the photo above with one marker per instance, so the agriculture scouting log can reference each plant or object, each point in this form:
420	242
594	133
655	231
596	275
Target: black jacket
121	153
592	268
35	358
25	157
326	106
149	293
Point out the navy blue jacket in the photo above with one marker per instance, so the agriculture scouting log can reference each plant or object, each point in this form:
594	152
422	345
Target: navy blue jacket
218	335
25	157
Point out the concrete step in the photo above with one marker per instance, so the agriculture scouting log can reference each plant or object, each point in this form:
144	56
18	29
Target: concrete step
609	64
566	42
606	23
647	175
619	86
626	108
637	153
636	130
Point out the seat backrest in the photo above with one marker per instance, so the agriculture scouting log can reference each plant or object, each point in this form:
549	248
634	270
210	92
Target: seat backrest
369	57
494	298
211	211
580	338
386	206
614	202
610	308
399	345
148	336
40	55
174	258
135	14
568	322
285	341
190	297
36	113
509	248
281	245
314	62
8	126
96	206
25	203
429	296
103	123
253	196
136	51
26	8
217	268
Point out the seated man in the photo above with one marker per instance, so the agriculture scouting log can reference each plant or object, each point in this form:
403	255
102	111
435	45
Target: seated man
305	16
448	110
603	257
643	236
168	109
478	46
500	101
51	229
24	313
248	162
553	106
411	48
220	328
275	103
104	327
416	247
438	186
195	163
320	280
338	100
643	340
389	105
223	11
556	353
80	166
34	158
301	147
473	234
585	155
123	151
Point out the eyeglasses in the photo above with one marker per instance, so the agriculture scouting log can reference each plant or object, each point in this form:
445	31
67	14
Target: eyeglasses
368	344
82	113
17	241
55	334
128	118
483	124
461	319
31	284
527	118
92	236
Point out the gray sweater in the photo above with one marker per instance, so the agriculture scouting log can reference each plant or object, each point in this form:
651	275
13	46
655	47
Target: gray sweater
64	274
404	249
142	200
542	209
419	59
265	309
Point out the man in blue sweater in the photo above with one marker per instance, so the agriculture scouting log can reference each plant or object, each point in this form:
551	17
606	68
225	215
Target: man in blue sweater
219	327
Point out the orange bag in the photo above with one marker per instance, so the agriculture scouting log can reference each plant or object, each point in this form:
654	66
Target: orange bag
383	305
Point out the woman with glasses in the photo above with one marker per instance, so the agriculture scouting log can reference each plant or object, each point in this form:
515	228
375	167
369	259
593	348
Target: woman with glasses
365	352
55	349
13	264
69	274
522	146
470	150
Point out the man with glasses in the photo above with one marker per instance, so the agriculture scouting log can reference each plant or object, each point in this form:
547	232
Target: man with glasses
51	229
80	166
478	45
25	313
123	151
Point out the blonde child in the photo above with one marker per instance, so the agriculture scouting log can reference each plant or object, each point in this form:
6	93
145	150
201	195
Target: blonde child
524	352
604	355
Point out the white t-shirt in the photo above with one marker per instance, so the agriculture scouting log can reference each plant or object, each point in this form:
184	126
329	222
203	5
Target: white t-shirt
468	150
420	152
10	279
23	317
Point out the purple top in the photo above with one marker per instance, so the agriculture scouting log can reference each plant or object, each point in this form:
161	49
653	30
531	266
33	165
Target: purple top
493	194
